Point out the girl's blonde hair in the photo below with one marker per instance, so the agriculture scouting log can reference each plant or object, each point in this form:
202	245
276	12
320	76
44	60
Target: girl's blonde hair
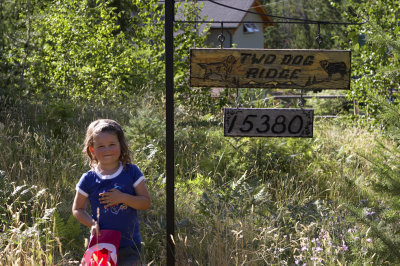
109	126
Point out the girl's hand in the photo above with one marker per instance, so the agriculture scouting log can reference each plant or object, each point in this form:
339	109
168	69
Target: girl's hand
95	229
111	198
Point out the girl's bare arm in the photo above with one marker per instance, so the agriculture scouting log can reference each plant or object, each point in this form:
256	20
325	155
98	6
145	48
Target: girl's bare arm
79	212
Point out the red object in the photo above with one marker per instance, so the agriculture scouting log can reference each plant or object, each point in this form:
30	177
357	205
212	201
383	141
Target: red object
102	250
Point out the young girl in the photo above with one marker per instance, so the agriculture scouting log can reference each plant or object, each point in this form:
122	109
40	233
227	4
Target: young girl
114	187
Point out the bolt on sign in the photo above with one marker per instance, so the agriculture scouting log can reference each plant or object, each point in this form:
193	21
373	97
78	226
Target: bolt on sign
268	122
270	68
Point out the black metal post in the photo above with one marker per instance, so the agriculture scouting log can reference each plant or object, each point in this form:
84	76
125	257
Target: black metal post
169	128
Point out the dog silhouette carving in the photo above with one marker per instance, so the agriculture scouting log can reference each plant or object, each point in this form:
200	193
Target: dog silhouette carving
333	68
218	70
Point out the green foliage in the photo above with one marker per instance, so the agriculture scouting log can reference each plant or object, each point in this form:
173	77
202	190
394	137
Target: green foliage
147	37
382	225
196	185
375	61
386	185
5	188
146	134
99	51
57	116
376	68
332	106
16	42
388	114
188	36
303	36
70	234
240	201
81	55
385	181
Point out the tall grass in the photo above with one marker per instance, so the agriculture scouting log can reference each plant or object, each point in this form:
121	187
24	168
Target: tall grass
41	159
257	201
27	232
266	201
293	215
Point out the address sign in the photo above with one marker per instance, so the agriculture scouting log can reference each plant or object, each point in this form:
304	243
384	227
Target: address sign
268	122
270	68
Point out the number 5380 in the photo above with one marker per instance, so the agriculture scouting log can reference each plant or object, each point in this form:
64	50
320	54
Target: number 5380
268	122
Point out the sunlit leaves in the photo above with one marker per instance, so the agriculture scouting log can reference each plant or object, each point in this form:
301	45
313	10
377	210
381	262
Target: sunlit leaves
375	59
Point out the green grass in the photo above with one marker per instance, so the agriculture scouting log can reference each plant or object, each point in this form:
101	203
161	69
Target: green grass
248	201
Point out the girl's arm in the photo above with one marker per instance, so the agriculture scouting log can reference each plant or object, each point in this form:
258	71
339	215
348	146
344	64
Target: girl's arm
139	202
79	212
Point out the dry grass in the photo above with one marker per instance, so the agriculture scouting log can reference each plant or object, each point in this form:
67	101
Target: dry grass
28	236
247	202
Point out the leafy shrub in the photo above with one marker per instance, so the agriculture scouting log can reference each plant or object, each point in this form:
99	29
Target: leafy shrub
58	116
70	234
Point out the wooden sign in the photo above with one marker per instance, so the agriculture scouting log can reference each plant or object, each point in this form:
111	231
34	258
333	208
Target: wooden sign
270	68
268	122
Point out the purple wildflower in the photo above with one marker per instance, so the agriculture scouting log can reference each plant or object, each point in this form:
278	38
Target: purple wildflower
370	213
304	248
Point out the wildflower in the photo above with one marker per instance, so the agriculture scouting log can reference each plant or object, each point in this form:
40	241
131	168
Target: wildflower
304	248
318	249
370	213
364	201
344	247
369	240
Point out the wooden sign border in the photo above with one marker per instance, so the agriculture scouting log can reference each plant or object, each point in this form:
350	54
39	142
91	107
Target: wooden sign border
270	68
263	120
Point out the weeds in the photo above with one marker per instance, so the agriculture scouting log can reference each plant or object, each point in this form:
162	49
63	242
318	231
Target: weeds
238	201
26	237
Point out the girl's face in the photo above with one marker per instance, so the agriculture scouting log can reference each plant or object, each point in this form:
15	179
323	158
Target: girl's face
106	149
